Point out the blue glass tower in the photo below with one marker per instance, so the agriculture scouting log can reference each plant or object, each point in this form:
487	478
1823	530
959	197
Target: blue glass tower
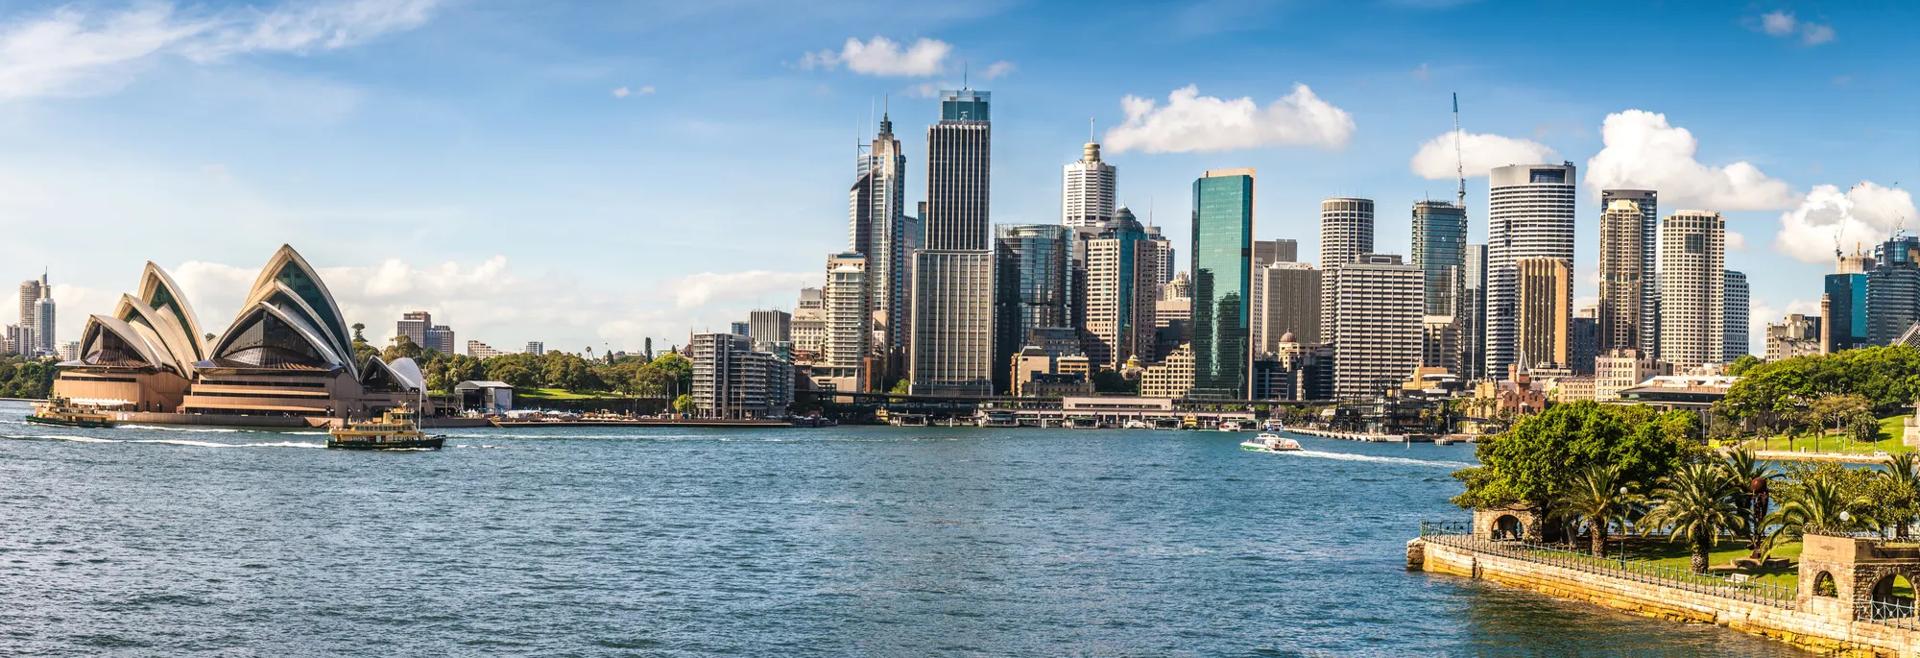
1222	269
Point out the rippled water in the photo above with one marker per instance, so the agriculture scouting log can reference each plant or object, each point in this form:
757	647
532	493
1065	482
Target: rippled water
850	541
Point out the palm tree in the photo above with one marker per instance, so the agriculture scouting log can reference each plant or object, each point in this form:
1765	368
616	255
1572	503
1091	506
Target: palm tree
1753	479
1901	473
1818	504
1696	504
1599	496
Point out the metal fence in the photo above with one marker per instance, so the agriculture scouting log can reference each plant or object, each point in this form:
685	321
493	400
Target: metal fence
1460	536
1894	613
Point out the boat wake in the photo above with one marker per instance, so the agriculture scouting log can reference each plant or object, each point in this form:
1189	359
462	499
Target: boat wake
183	428
175	442
1351	457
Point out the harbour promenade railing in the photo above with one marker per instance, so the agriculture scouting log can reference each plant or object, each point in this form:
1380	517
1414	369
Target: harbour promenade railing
1895	613
1458	535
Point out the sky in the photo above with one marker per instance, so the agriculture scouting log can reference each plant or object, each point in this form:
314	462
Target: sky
594	174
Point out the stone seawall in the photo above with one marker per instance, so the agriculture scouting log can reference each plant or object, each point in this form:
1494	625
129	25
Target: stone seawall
1814	628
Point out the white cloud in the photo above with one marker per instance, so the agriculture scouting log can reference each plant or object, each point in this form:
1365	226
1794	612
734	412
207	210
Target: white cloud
709	287
1480	152
71	52
1783	24
881	56
997	70
621	92
1828	217
1643	150
1190	122
1736	241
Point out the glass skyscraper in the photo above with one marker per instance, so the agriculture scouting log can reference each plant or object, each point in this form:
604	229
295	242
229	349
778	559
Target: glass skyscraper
1439	249
1222	270
1030	279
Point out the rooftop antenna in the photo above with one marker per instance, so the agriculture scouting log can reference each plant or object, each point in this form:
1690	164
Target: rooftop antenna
1089	130
1459	161
965	72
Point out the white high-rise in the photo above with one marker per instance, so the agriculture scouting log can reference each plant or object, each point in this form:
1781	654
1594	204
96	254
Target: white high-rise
1378	344
878	209
1529	215
1693	288
842	366
1087	189
1648	201
1346	233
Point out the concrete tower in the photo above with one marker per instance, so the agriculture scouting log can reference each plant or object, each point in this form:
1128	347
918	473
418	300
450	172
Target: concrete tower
1530	215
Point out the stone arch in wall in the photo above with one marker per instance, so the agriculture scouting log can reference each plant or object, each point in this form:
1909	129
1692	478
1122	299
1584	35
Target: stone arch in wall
1823	585
1507	527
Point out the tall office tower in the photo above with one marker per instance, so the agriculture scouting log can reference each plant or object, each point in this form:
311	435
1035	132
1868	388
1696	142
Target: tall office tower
31	292
1648	201
1439	342
440	338
414	325
1439	250
1277	250
768	326
1893	292
1843	302
1222	283
1693	288
1543	322
844	359
810	323
1163	264
879	220
1378	344
1472	318
1289	303
1087	189
43	325
1123	274
740	328
1738	305
1031	277
1583	346
1529	215
1623	276
1346	232
951	350
1898	250
536	348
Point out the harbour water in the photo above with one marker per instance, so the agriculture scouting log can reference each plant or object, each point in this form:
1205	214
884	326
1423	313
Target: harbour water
848	541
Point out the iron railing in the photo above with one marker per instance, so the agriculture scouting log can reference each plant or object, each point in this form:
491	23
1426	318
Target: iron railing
1640	571
1893	613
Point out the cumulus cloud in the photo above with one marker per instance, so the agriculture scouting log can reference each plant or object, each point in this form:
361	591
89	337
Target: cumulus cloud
1479	151
881	56
75	52
997	69
1826	217
623	92
1190	122
1642	150
1736	241
1783	24
709	287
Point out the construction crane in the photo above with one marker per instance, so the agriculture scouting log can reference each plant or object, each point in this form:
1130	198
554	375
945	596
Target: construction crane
1459	161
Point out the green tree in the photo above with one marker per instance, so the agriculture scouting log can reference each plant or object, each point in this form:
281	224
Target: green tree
1899	485
901	387
1823	499
1863	427
402	347
1743	363
1598	496
1534	460
1696	504
683	404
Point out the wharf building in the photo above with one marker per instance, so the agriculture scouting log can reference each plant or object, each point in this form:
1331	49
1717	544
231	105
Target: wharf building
285	359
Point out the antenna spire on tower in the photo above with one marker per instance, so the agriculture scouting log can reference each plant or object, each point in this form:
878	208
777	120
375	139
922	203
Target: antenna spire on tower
1459	161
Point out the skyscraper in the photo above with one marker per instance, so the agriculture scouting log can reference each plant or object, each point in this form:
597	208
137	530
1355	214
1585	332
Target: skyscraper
1378	344
1277	250
1222	283
1893	289
44	327
1122	289
879	223
1843	303
1530	215
1346	232
1648	327
1623	274
767	326
1031	274
951	349
1737	307
1692	288
1087	189
1289	302
414	325
1439	250
1543	325
846	350
1471	321
35	336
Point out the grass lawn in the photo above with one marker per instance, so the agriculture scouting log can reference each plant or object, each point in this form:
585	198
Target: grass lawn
1720	559
563	394
1891	430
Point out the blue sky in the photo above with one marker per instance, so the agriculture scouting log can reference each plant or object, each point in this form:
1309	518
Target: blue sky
591	174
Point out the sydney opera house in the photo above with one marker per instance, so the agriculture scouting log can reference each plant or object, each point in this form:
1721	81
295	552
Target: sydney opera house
286	359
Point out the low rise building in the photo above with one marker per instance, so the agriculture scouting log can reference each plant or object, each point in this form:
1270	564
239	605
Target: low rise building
1795	335
1621	369
1172	378
734	381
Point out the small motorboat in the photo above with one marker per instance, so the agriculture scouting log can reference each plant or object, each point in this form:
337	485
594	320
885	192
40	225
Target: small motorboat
397	429
1273	425
1268	442
1229	426
1136	424
66	413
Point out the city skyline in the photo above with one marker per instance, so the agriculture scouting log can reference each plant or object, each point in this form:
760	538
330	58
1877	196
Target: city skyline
585	194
